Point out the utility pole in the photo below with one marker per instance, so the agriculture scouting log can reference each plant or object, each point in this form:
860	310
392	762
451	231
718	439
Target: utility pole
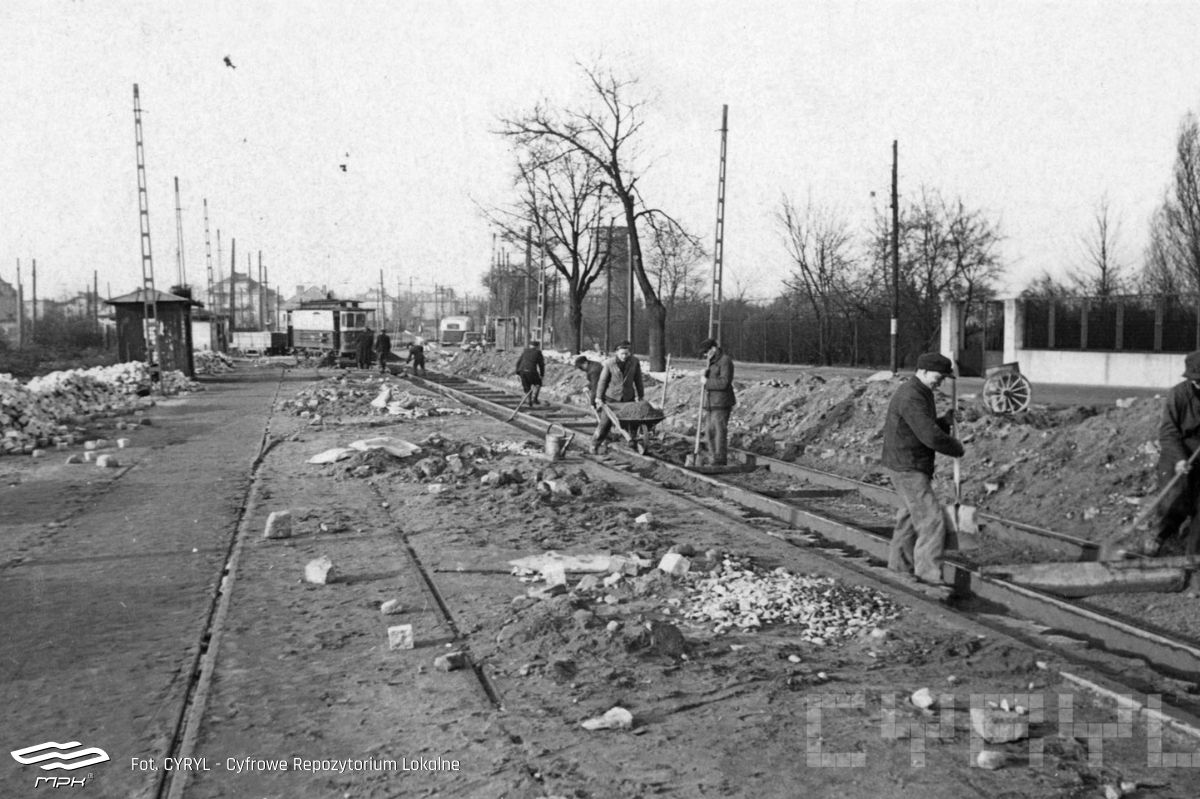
608	287
262	294
150	321
541	290
629	287
714	308
218	295
232	285
528	268
382	304
96	298
208	266
20	308
33	318
895	261
182	273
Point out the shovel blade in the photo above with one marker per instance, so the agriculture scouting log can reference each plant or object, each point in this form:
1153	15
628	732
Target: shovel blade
960	520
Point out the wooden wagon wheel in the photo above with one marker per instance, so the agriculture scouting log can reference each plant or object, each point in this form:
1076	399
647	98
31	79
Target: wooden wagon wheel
1007	392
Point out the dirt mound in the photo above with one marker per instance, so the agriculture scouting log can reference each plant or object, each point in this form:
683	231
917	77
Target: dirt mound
1080	470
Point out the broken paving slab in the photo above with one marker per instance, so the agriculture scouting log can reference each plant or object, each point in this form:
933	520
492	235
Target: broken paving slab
332	455
319	571
400	636
279	525
569	563
451	661
395	447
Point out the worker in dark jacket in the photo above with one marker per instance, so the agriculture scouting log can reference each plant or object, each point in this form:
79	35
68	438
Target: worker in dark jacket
1178	439
531	368
366	341
719	400
912	434
592	369
416	354
383	349
620	381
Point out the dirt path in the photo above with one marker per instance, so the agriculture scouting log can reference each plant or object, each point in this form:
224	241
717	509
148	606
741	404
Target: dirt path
307	699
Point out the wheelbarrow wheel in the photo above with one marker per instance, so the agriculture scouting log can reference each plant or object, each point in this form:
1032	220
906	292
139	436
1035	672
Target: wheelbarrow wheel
1007	392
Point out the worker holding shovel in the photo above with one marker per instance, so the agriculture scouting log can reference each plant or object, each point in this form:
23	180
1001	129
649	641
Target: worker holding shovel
912	434
1178	480
718	399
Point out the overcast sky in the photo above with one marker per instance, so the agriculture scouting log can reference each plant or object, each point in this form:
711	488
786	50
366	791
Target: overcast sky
1028	111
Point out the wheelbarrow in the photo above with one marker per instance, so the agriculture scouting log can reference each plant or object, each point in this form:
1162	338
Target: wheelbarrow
634	421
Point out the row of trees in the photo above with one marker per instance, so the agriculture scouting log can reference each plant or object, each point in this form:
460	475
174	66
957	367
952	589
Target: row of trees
578	175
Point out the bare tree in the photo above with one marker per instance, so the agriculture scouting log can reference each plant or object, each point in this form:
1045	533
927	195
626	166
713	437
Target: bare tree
1173	254
675	263
946	251
1102	274
561	199
605	134
1045	286
818	243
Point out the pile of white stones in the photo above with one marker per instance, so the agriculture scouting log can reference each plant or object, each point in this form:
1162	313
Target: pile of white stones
738	596
38	413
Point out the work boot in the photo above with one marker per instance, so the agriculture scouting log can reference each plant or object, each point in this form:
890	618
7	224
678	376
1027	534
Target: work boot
596	446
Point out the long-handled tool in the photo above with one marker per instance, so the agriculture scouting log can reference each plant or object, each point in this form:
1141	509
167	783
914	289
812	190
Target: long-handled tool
694	458
1116	546
961	517
617	423
520	404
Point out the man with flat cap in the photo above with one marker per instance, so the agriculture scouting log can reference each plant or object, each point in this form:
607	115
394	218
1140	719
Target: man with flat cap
912	434
1178	439
620	381
719	400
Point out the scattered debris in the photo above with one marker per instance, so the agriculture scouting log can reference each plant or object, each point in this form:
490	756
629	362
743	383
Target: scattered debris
279	525
618	718
319	571
391	607
400	636
451	661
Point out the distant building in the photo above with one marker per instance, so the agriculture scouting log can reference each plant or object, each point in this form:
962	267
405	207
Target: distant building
10	314
246	302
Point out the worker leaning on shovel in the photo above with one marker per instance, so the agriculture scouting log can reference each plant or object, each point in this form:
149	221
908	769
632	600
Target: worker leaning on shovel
912	434
1178	440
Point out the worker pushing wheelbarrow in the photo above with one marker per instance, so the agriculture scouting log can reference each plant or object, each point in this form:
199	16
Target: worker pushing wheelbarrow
619	401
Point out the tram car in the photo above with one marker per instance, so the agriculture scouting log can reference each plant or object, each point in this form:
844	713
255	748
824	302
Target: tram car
453	329
320	327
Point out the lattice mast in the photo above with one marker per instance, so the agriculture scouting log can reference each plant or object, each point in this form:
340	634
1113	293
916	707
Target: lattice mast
714	308
211	292
182	272
150	323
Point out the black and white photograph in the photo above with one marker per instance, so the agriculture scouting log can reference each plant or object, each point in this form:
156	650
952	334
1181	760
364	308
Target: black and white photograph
549	400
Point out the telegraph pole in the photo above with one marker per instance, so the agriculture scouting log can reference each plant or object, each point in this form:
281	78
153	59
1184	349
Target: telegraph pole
714	308
20	308
895	261
150	321
382	305
528	268
629	287
181	272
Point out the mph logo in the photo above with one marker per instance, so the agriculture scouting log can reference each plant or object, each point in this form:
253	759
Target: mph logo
67	757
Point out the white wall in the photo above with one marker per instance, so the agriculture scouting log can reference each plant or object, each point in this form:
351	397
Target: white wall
1126	369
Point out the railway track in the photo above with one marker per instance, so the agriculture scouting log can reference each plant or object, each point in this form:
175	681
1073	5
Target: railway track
852	521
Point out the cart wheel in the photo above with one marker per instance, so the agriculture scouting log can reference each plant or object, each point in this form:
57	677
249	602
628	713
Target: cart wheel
1007	392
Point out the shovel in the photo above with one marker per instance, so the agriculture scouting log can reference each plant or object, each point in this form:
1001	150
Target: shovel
693	459
520	404
1115	546
960	518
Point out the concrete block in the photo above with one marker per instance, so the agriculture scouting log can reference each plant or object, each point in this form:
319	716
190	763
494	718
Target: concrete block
279	525
122	443
674	564
391	607
38	453
998	726
107	462
451	661
400	636
75	458
319	571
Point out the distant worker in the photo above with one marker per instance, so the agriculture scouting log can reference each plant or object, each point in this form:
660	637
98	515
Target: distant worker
620	381
1178	440
531	368
366	340
592	369
383	350
416	354
717	384
912	433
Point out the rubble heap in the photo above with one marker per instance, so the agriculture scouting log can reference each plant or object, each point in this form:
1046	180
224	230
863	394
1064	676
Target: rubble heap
37	414
210	362
738	595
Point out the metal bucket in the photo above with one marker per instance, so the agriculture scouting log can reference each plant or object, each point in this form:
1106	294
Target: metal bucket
556	445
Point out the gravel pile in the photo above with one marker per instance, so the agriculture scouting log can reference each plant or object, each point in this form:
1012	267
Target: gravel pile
737	595
37	413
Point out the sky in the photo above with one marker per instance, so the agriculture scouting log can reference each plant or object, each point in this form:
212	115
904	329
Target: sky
1030	112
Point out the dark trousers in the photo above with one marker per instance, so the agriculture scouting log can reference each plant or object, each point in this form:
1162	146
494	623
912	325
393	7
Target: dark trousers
716	431
1181	504
920	534
529	380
